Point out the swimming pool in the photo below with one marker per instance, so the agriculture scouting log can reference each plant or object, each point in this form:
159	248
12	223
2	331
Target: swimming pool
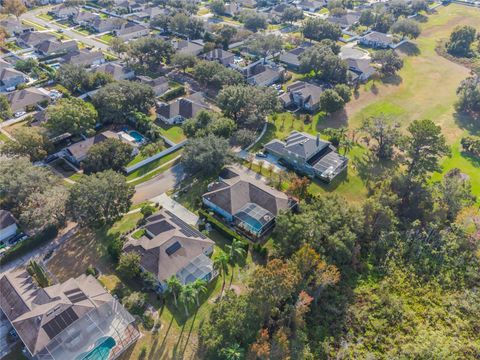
137	136
102	349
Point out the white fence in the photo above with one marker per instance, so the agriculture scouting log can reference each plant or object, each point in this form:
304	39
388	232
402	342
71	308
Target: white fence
159	155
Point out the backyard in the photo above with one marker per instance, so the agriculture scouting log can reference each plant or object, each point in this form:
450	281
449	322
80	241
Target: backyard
177	335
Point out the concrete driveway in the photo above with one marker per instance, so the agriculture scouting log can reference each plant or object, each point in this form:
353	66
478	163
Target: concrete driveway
176	208
351	52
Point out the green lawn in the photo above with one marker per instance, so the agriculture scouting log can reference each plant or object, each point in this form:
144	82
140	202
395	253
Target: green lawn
12	46
46	17
37	26
172	132
154	164
3	137
139	157
105	38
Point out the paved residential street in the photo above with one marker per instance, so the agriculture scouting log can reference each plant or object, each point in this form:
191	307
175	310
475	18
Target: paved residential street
159	184
86	39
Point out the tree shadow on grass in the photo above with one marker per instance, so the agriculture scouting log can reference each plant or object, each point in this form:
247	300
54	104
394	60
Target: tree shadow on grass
336	120
468	122
394	79
474	160
409	49
370	168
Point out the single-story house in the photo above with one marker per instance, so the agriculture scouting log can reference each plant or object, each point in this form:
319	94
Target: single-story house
131	30
63	12
15	26
345	21
118	71
267	76
309	155
11	78
105	25
246	202
85	18
303	95
362	68
33	38
84	58
24	99
222	56
377	40
160	85
8	225
311	5
170	247
181	109
77	152
55	46
187	47
292	58
76	319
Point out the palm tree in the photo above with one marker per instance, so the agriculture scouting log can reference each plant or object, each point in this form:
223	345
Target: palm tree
220	263
187	297
235	252
199	287
174	287
234	352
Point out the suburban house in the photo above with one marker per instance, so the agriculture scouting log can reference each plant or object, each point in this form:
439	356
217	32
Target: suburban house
131	30
27	99
85	18
301	94
55	46
345	21
311	5
10	78
309	155
77	319
31	39
8	225
106	25
63	12
292	58
360	69
170	247
246	202
160	85
77	152
187	47
265	75
117	71
377	40
15	26
223	57
84	58
181	109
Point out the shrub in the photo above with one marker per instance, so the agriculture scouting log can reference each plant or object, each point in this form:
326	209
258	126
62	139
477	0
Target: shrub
174	93
135	303
222	228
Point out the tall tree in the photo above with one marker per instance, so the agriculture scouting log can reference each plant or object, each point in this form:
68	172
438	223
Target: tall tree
406	28
385	134
31	142
199	287
318	29
99	199
74	78
292	14
111	154
253	20
184	61
187	297
389	60
115	101
5	109
70	115
461	40
13	7
147	53
236	252
206	155
174	287
220	264
266	45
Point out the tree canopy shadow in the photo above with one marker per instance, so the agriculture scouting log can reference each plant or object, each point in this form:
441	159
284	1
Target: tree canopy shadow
409	49
468	122
336	120
370	168
394	79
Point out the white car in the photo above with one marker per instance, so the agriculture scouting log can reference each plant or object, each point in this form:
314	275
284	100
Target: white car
19	113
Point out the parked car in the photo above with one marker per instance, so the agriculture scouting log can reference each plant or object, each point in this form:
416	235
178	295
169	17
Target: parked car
19	113
261	154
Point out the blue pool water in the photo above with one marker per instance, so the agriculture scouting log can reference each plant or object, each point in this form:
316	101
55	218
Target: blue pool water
136	135
101	350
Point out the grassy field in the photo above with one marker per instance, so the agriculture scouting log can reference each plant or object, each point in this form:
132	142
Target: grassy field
424	89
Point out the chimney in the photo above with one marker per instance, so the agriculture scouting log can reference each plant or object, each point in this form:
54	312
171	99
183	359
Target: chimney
318	139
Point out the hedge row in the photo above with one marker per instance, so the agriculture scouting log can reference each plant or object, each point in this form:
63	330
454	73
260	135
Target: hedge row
222	228
29	244
174	93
